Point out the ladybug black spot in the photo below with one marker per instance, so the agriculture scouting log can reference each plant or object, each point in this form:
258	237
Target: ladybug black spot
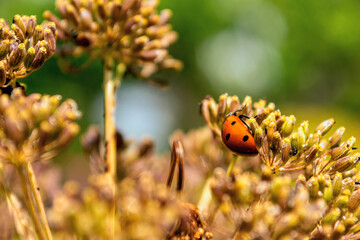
227	136
245	138
233	122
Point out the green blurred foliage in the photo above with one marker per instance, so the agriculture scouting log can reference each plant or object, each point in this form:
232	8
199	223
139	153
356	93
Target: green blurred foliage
299	52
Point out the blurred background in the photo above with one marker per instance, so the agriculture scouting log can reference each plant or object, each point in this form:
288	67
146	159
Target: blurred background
302	55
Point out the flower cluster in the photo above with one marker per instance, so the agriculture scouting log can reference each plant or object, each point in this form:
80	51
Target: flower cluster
281	146
130	32
320	208
24	47
35	127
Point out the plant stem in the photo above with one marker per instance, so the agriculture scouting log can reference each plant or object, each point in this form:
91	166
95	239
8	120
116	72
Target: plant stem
29	203
38	200
231	165
109	107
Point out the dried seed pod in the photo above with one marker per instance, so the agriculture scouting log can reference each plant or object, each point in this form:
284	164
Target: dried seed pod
276	143
50	39
39	59
259	136
311	153
313	186
222	107
38	34
18	32
270	130
337	184
17	20
344	163
4	48
2	74
30	27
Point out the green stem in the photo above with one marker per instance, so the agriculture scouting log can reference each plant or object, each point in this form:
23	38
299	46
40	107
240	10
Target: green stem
38	200
29	203
231	165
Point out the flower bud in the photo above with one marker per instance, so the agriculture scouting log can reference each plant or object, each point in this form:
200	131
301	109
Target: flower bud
29	57
234	103
354	201
337	184
285	150
325	126
38	34
18	33
341	201
288	126
19	22
16	56
313	186
262	115
280	122
295	143
39	59
332	216
253	125
30	27
311	154
305	126
222	107
2	74
50	39
4	49
334	140
72	15
314	138
271	128
344	163
328	193
259	136
276	142
247	103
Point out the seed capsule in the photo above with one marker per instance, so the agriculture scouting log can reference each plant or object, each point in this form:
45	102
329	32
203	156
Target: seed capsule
325	126
311	153
344	163
354	201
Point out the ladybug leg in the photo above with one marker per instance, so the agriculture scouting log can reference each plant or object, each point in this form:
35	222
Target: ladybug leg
247	117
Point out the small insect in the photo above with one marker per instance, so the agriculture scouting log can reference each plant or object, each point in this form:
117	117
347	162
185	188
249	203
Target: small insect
237	135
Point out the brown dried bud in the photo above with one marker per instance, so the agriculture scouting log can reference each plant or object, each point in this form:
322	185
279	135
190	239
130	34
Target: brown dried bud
16	56
262	115
29	58
222	106
2	74
4	49
354	201
86	19
50	39
18	32
19	22
288	126
30	26
311	153
344	163
305	126
234	103
285	150
72	15
259	136
276	143
38	34
280	122
325	126
270	130
39	59
253	124
314	138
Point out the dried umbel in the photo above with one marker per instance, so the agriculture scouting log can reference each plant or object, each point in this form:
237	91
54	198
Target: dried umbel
130	32
24	47
281	146
35	127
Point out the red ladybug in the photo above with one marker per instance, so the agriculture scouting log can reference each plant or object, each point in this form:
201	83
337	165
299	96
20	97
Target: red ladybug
237	135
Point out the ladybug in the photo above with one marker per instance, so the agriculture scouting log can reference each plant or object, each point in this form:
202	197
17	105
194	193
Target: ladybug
237	135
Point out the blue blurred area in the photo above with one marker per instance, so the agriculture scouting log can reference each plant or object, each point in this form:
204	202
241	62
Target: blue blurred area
294	53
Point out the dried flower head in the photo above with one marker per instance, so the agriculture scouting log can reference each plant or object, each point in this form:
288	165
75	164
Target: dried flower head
130	32
35	127
282	146
24	47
